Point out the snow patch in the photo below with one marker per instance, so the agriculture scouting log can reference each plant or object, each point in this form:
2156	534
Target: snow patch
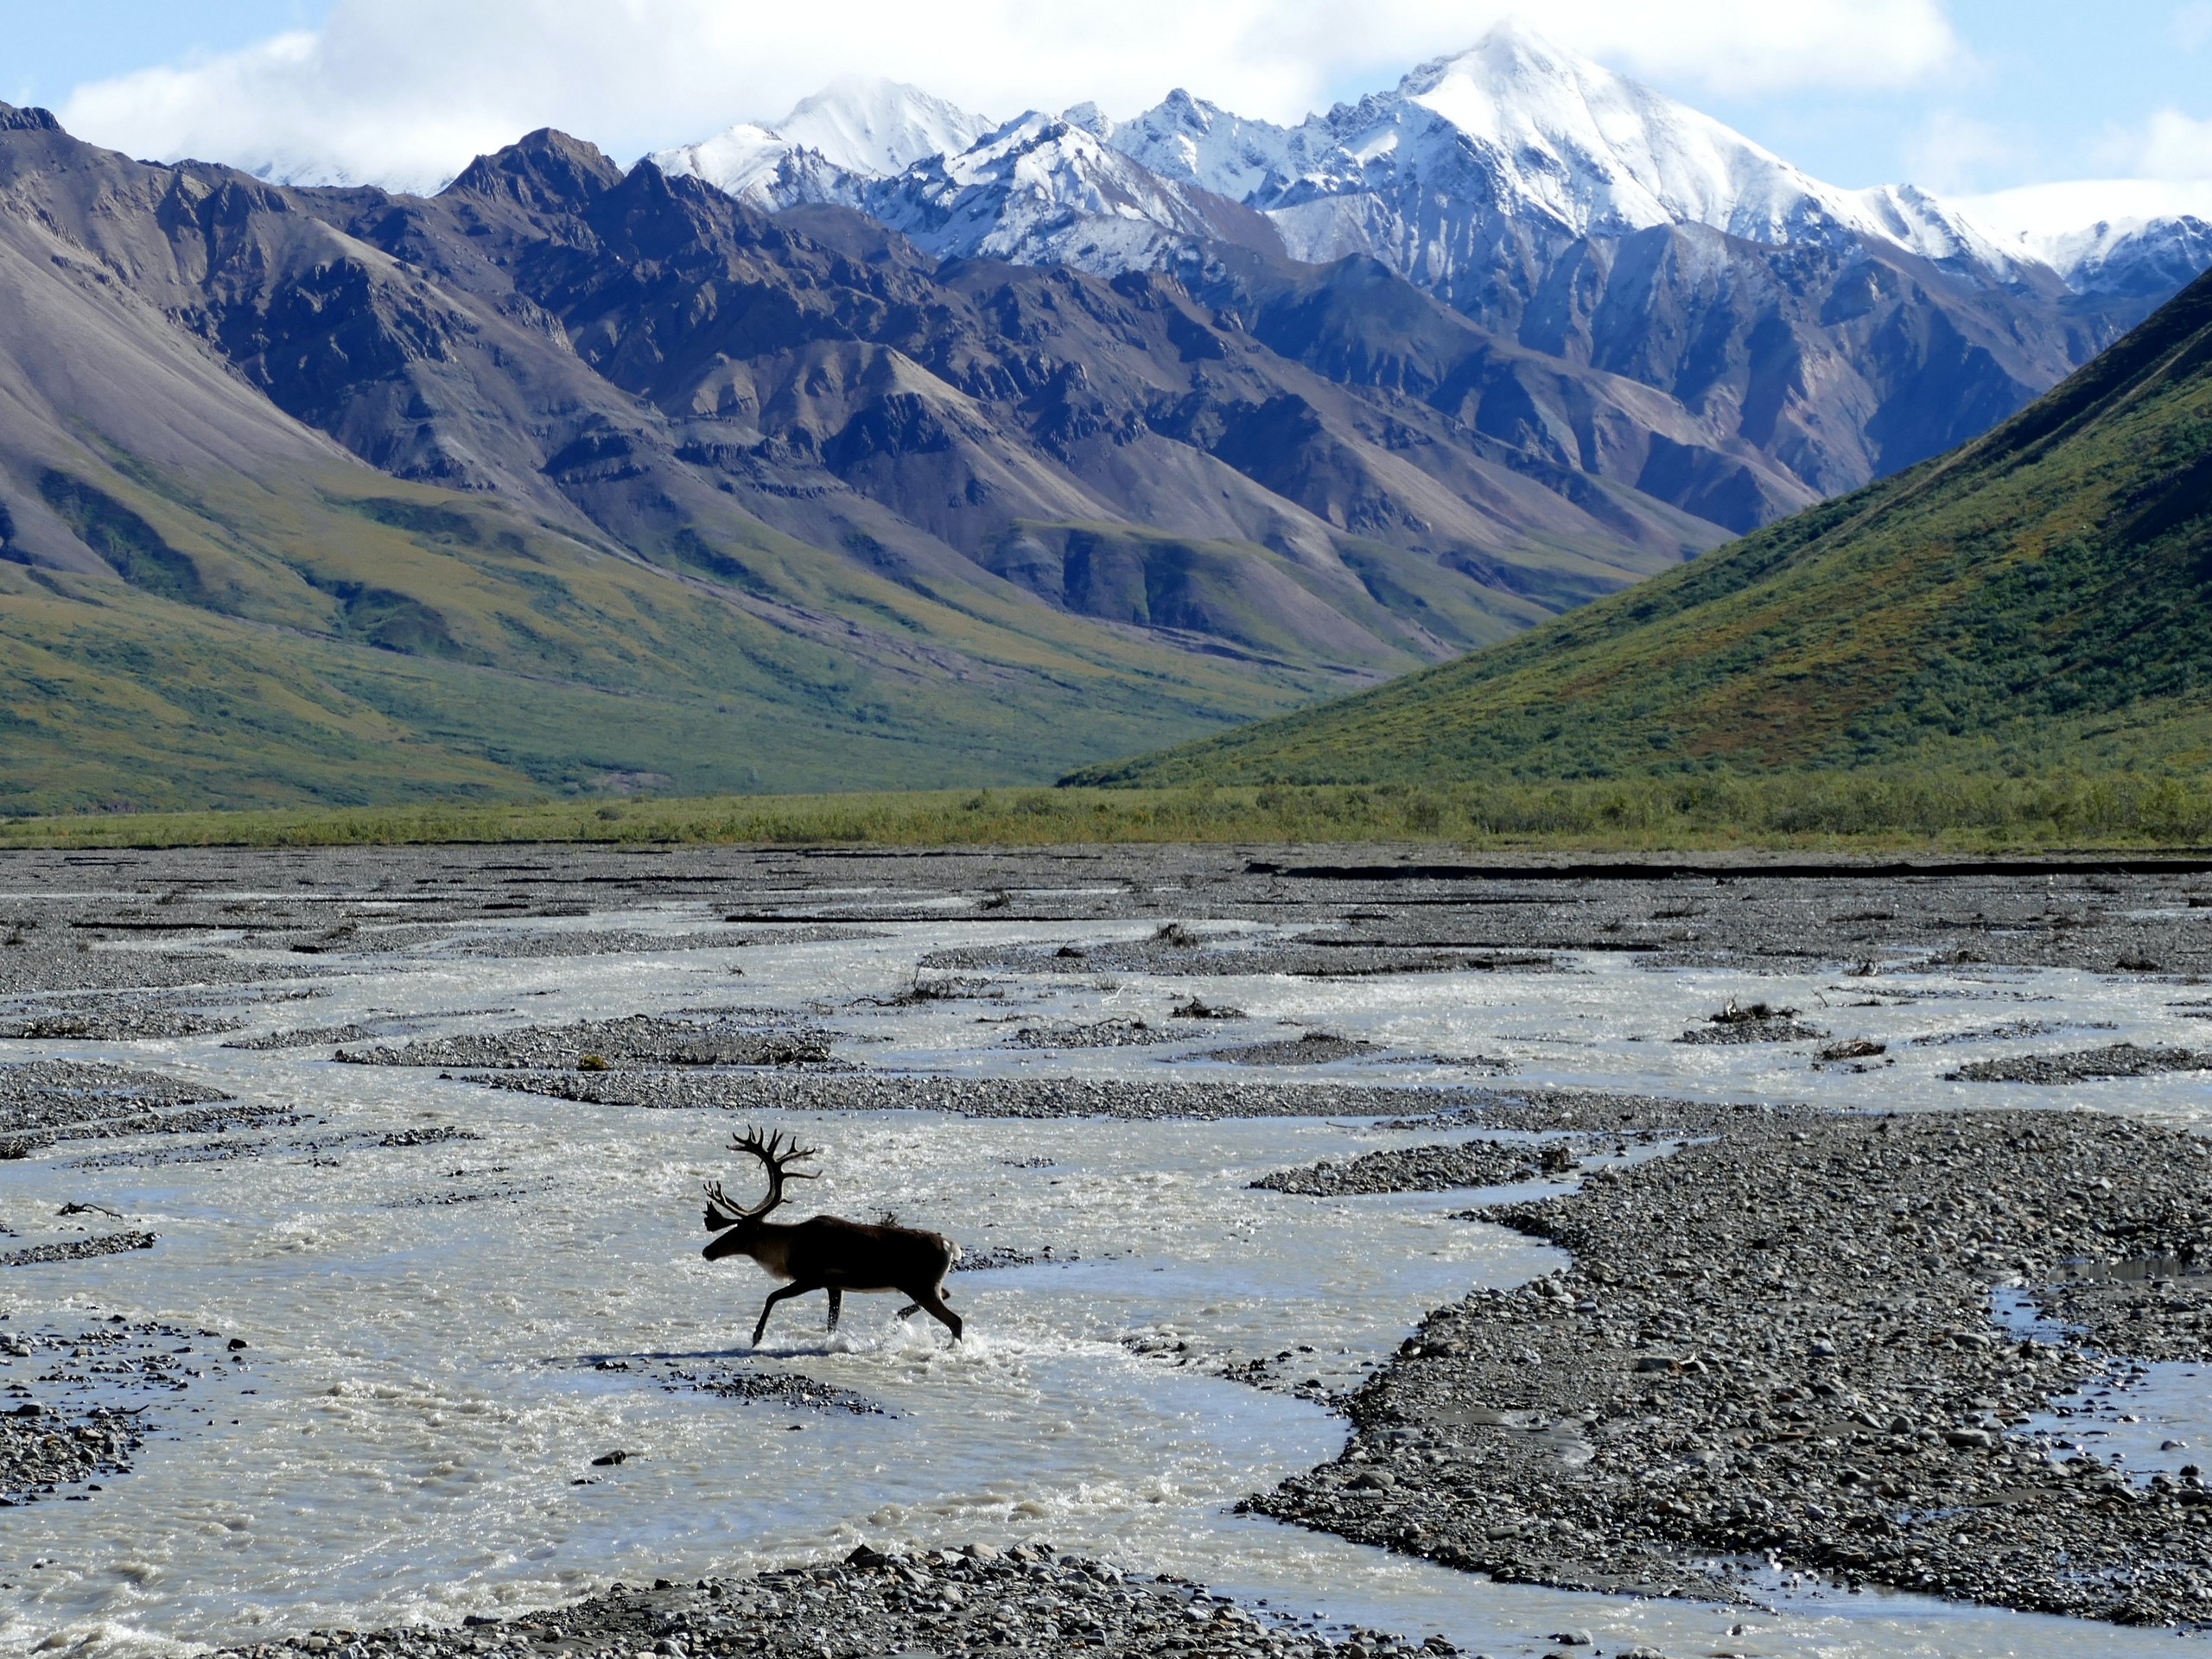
1042	189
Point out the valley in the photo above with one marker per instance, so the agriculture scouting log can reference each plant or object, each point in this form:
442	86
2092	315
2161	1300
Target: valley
1471	828
898	447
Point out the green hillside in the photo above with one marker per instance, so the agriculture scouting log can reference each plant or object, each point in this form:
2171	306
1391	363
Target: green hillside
2040	598
328	634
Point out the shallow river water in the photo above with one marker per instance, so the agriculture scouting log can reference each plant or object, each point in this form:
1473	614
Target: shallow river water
441	1338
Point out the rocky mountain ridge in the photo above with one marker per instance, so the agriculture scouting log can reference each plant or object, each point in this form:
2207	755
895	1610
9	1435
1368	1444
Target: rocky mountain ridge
2035	601
1840	333
616	351
574	473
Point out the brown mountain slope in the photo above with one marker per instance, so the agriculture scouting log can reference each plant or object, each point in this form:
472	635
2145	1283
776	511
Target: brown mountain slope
203	600
806	503
570	337
2039	597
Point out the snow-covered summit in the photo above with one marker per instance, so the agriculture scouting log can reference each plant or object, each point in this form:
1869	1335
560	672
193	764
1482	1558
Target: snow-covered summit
1519	127
1047	189
2149	258
1925	225
760	167
1468	155
866	125
854	129
2106	235
1193	142
1565	136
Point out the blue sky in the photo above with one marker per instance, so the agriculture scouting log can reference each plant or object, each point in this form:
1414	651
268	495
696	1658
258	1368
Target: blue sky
2050	90
2028	91
55	46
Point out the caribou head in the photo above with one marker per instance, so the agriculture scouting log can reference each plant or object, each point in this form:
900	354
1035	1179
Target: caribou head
825	1253
777	1154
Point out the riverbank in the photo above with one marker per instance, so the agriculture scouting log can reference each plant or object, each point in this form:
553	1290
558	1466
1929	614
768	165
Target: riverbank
1777	1343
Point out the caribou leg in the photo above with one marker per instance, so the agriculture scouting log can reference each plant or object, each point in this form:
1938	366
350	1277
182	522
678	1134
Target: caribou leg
836	1307
769	1306
931	1299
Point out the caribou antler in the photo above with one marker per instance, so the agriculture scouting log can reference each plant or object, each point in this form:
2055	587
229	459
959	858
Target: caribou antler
778	1154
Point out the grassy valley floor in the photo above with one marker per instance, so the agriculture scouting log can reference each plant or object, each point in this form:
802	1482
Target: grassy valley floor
1842	812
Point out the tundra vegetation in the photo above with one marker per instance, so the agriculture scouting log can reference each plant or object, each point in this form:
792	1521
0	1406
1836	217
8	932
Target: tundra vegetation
1889	809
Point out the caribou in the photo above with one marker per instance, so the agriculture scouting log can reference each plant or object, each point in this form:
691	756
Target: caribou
825	1253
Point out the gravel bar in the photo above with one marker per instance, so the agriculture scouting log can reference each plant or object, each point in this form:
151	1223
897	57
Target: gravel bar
978	1600
1031	1097
1097	1033
589	943
77	1250
302	1037
1300	959
634	1041
120	1024
37	1086
1313	1048
1753	1031
41	1449
2089	1065
1423	1169
779	1387
1779	1341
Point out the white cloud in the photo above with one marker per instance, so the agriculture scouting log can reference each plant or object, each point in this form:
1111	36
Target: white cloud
2037	216
1750	45
1952	151
2174	146
2161	169
406	91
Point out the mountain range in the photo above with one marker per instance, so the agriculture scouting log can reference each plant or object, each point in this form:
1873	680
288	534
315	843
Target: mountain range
2037	600
893	445
1838	334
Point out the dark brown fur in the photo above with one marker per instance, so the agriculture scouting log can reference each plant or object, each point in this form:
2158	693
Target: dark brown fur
828	1253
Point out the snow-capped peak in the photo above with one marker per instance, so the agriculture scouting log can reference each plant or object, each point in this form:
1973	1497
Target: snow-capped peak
1516	135
1192	141
745	161
1598	151
883	127
1925	225
854	129
1046	188
1517	127
2077	226
1592	146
